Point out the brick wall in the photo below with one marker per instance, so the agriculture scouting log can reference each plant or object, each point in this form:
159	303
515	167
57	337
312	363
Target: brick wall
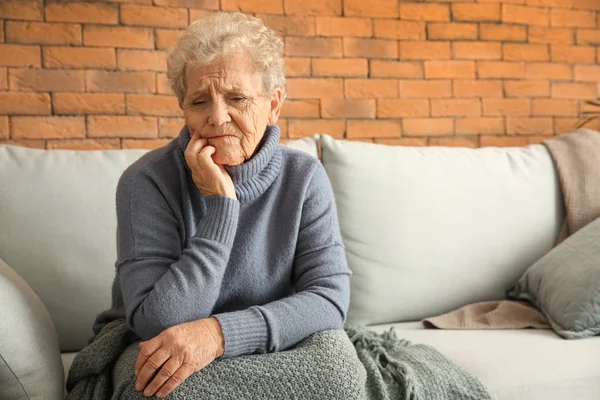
91	75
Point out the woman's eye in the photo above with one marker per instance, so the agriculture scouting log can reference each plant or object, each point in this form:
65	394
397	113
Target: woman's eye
237	99
199	103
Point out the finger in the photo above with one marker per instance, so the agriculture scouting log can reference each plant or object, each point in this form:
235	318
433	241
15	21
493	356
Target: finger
154	363
178	377
192	150
147	348
165	373
206	154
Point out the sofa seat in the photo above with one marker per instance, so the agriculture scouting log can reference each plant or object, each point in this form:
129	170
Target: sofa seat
522	364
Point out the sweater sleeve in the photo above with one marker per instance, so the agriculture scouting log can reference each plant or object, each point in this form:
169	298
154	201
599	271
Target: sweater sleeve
320	278
160	281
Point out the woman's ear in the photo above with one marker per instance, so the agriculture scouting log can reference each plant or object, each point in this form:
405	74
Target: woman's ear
276	103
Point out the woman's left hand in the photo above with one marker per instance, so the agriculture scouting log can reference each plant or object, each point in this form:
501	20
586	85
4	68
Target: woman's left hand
175	354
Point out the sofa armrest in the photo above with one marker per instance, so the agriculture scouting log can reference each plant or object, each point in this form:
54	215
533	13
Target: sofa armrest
30	363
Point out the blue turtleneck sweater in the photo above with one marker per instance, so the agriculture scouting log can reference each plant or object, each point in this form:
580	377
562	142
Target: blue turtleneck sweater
270	266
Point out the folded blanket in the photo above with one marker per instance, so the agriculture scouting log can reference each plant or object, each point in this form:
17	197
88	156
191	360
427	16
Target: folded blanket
576	157
351	364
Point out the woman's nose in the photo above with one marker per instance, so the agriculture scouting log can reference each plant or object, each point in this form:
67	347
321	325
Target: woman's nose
219	114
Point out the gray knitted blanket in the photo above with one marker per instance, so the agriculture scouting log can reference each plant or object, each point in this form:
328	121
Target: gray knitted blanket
351	364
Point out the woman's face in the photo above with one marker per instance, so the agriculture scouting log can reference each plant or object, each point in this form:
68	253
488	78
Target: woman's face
225	104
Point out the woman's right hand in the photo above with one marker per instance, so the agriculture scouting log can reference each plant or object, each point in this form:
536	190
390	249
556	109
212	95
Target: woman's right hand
210	178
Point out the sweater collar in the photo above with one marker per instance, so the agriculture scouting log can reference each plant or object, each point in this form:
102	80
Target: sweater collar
253	177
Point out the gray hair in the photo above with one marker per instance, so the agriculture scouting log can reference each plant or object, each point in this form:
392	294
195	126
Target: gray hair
223	34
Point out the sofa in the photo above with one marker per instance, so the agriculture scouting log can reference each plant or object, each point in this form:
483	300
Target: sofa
426	230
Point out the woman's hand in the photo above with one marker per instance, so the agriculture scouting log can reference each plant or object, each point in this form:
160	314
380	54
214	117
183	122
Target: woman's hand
177	353
210	178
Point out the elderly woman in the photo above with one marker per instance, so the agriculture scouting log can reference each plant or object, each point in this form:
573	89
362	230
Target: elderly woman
228	243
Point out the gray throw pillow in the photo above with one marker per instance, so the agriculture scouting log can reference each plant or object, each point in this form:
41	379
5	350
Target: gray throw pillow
565	284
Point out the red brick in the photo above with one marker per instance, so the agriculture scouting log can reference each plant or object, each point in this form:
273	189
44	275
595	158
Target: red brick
146	104
207	4
313	47
506	33
28	10
305	127
510	141
577	91
370	48
449	69
394	29
395	69
306	88
24	103
573	54
586	5
424	12
253	6
84	144
552	107
4	127
34	144
285	25
283	127
477	88
118	37
373	8
428	126
411	142
131	1
476	12
572	19
344	26
470	142
122	126
424	50
91	13
43	33
297	66
198	14
340	67
13	55
313	7
476	126
551	3
371	88
147	144
527	88
492	107
525	52
47	127
46	80
163	17
2	40
122	82
500	1
587	73
88	103
539	34
569	124
170	127
548	71
477	50
395	108
373	129
79	57
141	60
451	31
529	126
348	108
588	36
500	69
301	109
525	15
420	89
3	78
166	38
456	108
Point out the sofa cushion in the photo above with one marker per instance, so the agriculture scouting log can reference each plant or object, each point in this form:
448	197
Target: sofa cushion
517	364
565	284
58	227
30	365
428	230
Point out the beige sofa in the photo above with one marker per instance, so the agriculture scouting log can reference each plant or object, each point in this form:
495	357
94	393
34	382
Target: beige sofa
426	230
